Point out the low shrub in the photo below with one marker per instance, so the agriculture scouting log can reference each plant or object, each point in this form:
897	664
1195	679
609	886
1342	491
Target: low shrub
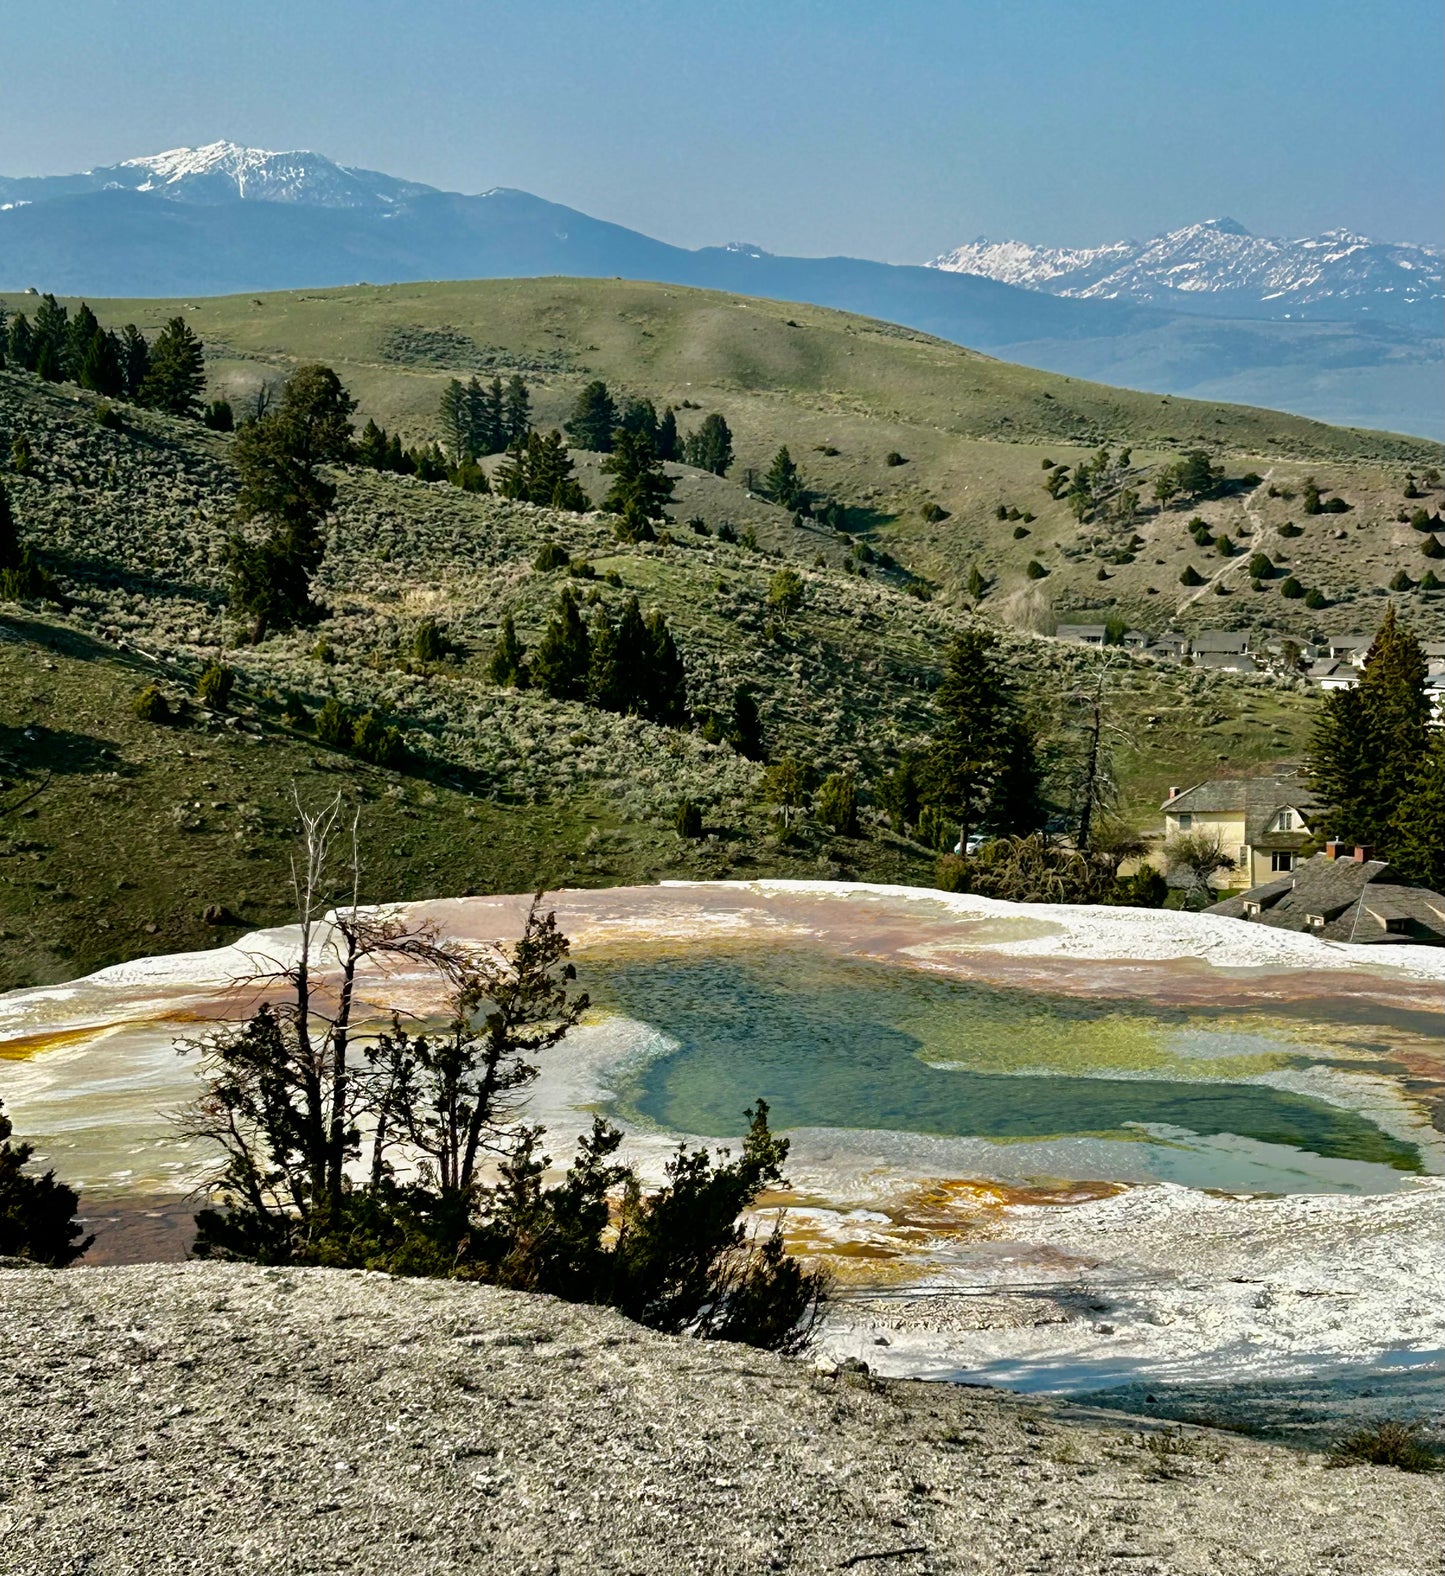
37	1213
213	688
893	457
1390	1443
933	513
1035	570
551	555
151	705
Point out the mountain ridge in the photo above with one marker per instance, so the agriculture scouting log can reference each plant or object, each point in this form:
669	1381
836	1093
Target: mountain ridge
1219	266
225	219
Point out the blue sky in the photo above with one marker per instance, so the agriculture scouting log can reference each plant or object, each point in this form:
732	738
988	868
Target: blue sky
888	129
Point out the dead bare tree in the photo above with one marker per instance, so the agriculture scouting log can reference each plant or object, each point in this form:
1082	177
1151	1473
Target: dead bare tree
279	1098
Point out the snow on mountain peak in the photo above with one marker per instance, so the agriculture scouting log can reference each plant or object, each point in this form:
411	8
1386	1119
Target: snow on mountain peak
229	171
1218	259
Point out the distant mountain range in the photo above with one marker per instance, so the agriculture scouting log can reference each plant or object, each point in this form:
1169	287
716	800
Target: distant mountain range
1219	268
226	219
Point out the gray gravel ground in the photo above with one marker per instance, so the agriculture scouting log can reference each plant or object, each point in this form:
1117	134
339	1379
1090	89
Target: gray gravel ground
221	1418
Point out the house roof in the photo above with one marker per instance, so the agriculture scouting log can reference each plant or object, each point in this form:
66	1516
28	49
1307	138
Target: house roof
1236	640
1259	799
1350	642
1081	631
1348	900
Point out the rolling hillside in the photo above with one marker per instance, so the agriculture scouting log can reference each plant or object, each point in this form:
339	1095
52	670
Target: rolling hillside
844	393
143	836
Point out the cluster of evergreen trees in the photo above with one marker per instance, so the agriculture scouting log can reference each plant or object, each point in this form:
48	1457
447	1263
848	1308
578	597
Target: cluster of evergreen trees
1378	766
477	420
168	375
381	450
629	664
539	470
600	423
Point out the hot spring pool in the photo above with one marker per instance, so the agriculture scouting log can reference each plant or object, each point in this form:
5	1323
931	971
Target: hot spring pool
1196	1094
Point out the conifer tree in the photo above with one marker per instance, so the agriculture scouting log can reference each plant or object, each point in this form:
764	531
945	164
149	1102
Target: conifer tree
1369	742
667	690
976	734
746	735
783	483
10	550
710	448
508	665
100	367
52	339
135	359
455	427
79	334
280	456
563	657
641	490
371	446
640	416
667	443
516	417
176	378
493	429
37	1213
4	333
593	419
20	344
1417	835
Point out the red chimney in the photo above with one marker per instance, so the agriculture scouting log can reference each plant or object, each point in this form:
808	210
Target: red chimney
1175	792
1334	848
1363	853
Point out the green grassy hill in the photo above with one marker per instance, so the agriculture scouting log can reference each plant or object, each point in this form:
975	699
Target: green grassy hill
846	392
139	829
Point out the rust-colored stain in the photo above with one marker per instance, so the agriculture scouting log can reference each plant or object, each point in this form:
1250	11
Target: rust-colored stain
21	1047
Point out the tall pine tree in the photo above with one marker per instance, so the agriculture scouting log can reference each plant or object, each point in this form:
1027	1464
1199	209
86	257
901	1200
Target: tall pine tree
1417	836
516	418
563	658
1369	742
593	419
976	739
176	377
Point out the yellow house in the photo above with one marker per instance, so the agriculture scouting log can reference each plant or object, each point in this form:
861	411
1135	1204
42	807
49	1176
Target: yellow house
1261	822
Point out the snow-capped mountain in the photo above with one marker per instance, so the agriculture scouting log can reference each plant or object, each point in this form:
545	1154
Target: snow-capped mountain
226	172
225	218
1220	268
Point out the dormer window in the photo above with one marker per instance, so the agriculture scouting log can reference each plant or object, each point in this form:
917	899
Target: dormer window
1284	821
1315	921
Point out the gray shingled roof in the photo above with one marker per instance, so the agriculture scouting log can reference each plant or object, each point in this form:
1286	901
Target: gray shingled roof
1236	640
1354	901
1260	798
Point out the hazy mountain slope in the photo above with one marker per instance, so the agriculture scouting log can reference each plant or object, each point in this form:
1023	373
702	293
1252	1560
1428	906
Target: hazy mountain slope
225	219
1218	268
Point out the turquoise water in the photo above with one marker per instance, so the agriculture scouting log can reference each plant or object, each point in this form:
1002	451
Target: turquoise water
837	1043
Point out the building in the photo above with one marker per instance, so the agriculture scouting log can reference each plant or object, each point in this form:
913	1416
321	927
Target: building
1224	661
1261	822
1220	642
1083	634
1331	674
1350	648
1343	895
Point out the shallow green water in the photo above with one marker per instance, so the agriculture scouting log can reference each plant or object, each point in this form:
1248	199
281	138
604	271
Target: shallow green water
854	1045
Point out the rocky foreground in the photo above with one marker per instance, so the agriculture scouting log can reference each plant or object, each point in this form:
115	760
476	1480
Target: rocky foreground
218	1418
